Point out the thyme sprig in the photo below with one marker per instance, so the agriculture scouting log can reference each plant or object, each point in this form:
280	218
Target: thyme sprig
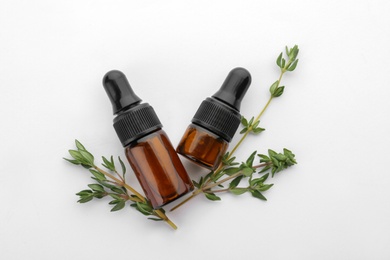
111	183
273	162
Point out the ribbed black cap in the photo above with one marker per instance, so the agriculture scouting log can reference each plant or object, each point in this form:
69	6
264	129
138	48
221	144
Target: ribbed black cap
136	123
218	118
220	114
134	120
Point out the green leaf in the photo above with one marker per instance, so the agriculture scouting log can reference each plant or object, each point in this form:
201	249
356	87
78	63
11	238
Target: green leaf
250	159
84	193
212	196
156	219
77	156
115	196
229	162
247	171
117	190
280	157
85	199
279	91
79	145
273	171
264	177
86	166
96	187
104	183
258	130
120	205
255	124
231	170
88	156
196	184
257	194
217	176
279	60
238	191
98	175
72	161
251	121
264	187
293	65
244	122
264	158
287	51
113	202
112	161
107	164
144	208
293	53
283	62
275	162
266	168
273	87
201	181
122	165
271	153
290	155
235	182
256	181
244	130
99	194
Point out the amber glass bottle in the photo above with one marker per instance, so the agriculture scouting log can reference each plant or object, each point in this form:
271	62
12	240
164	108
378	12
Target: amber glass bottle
216	121
147	147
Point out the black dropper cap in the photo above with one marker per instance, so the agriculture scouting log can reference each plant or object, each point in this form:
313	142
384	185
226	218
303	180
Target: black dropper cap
134	119
220	114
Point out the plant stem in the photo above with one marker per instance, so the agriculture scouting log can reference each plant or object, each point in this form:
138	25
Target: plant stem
157	212
201	190
262	165
120	177
161	214
193	195
119	182
210	186
221	190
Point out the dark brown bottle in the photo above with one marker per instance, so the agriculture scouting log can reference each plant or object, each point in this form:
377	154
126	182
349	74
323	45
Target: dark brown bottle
213	126
147	147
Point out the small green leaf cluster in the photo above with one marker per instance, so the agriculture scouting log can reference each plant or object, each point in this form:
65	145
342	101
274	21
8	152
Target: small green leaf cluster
277	161
110	164
250	126
227	161
255	186
274	162
275	90
105	187
146	209
289	65
292	62
81	156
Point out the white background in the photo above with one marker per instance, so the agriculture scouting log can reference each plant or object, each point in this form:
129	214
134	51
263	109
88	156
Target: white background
334	115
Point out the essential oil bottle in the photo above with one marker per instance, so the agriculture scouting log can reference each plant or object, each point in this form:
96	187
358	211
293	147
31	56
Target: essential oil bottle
216	121
147	147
